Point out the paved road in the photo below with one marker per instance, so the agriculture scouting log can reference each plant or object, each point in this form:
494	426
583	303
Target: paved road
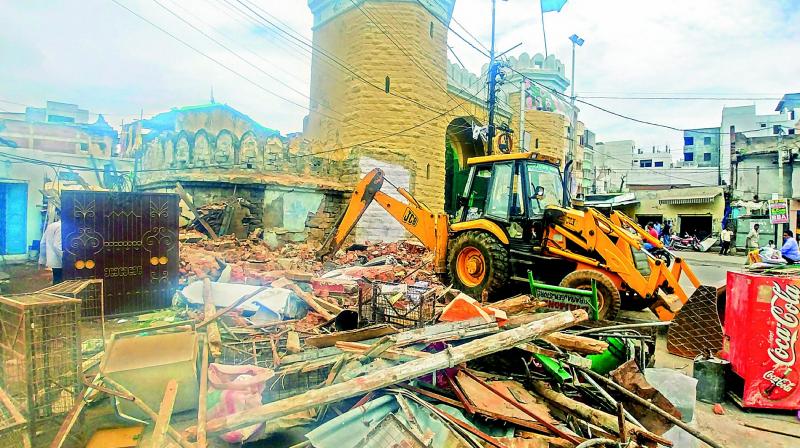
710	267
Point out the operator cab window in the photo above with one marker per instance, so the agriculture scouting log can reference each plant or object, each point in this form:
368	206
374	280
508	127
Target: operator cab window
476	201
547	177
499	200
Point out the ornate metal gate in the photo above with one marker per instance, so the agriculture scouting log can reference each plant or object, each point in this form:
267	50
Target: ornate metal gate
130	240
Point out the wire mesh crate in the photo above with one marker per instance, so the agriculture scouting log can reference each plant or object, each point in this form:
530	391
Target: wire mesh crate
289	384
40	355
89	292
13	426
403	306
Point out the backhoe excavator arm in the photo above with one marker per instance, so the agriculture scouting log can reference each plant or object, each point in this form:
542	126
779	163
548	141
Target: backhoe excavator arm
428	227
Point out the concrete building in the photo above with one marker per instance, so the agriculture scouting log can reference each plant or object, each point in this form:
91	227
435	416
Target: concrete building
58	127
744	120
22	181
613	160
589	185
701	147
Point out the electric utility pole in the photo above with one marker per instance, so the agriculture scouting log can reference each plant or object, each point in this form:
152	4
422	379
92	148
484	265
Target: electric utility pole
491	97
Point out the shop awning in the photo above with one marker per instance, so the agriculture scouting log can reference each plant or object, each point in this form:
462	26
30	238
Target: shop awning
682	200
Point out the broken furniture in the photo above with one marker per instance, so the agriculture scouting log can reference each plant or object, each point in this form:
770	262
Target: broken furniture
40	357
144	365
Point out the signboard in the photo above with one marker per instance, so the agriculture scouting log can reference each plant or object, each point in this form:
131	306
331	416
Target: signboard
778	211
762	325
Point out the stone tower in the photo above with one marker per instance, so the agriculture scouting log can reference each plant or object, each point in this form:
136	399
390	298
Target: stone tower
380	69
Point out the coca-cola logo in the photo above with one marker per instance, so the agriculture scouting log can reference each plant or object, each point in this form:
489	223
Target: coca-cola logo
781	380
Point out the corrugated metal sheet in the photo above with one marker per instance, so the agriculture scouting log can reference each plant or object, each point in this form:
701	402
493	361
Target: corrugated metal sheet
688	200
130	240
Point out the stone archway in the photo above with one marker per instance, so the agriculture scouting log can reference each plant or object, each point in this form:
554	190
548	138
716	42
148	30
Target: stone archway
459	146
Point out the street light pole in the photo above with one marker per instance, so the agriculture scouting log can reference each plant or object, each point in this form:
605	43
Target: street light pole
573	125
491	97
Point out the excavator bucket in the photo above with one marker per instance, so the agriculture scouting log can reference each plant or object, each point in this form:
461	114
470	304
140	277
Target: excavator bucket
697	327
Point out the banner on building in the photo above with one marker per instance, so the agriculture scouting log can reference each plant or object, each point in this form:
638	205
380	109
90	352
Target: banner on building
538	97
778	211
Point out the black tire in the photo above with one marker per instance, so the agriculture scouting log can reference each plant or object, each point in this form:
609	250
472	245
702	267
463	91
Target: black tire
663	255
496	266
608	297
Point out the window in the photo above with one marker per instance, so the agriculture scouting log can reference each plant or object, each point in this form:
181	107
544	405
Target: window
498	201
537	143
791	131
476	202
763	125
776	129
658	164
84	147
547	177
707	157
688	156
431	30
386	86
427	171
688	141
707	141
645	163
791	114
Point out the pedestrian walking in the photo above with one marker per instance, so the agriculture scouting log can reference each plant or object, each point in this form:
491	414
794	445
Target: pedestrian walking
725	239
51	250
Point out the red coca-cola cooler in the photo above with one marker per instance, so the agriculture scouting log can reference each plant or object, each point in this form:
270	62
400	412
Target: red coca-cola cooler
762	324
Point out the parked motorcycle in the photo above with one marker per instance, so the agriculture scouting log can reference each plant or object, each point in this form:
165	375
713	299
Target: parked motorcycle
687	242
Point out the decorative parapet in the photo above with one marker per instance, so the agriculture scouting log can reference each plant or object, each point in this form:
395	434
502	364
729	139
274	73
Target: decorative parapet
326	10
180	155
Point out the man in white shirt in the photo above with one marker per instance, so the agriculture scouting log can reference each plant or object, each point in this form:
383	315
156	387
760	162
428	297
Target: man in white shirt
50	249
725	237
752	238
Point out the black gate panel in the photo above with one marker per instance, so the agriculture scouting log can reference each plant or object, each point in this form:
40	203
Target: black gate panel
130	240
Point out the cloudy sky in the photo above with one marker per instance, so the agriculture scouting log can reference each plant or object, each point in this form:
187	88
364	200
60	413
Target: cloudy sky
103	57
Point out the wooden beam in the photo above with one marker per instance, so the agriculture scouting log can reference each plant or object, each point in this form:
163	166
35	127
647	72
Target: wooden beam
164	414
202	402
209	309
449	358
126	394
185	196
310	300
578	344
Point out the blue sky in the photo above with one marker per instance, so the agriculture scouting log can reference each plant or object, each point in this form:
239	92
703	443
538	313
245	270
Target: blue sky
96	54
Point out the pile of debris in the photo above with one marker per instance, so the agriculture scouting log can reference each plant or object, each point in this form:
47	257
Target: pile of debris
369	355
239	216
253	261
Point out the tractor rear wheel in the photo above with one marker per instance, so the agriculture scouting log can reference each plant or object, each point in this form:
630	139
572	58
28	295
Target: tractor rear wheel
608	299
478	263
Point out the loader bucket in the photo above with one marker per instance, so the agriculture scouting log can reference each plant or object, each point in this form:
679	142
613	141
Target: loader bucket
697	327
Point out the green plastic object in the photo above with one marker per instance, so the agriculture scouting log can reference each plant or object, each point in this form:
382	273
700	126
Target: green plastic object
613	357
558	298
554	368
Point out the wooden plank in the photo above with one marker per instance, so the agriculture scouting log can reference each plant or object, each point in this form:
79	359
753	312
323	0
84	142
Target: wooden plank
164	414
309	299
123	392
209	309
329	340
449	358
578	344
185	196
202	402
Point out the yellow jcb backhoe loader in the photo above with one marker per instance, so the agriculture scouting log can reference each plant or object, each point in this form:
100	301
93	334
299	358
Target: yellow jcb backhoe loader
515	216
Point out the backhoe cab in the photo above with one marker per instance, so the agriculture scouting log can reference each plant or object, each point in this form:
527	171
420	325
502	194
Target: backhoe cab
515	216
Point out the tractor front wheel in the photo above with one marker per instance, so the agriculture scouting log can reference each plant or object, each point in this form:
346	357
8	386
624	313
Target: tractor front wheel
608	299
477	262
